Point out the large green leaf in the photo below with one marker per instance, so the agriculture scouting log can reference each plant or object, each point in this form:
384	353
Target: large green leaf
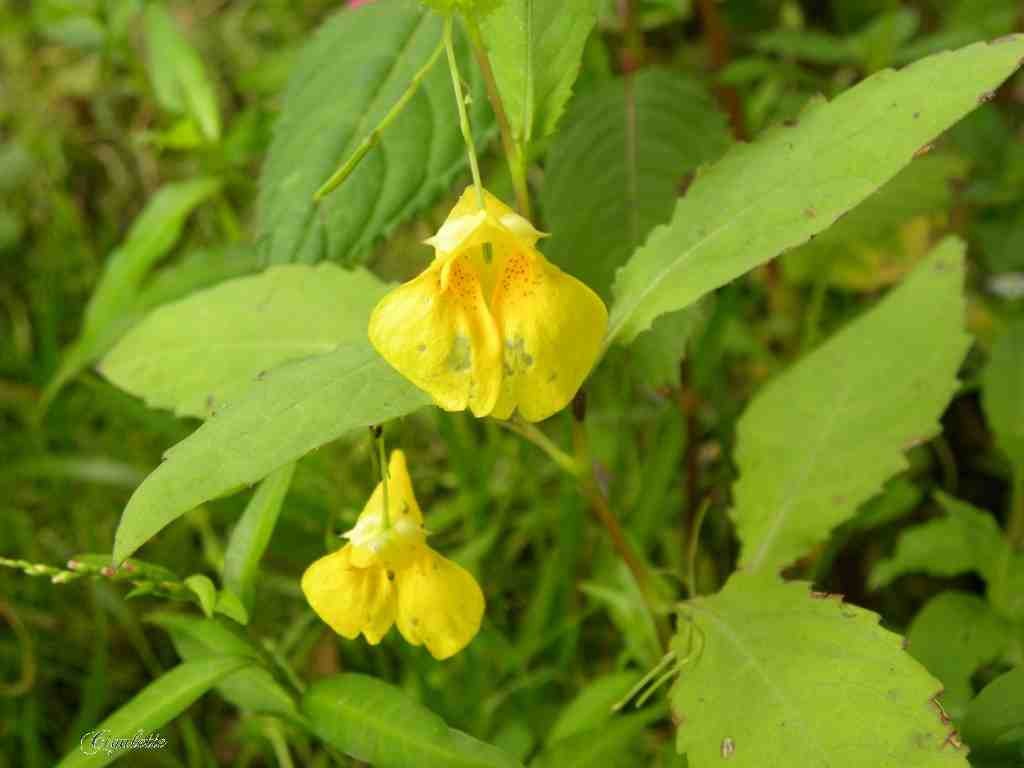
994	724
823	437
780	677
378	724
252	689
963	539
1002	391
347	78
251	535
862	250
535	48
618	166
111	307
197	354
179	77
158	703
292	410
953	636
793	183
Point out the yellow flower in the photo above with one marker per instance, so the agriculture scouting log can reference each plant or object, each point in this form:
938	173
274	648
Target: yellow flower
491	329
388	574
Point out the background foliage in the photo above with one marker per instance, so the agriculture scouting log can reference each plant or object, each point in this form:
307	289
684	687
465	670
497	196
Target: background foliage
152	150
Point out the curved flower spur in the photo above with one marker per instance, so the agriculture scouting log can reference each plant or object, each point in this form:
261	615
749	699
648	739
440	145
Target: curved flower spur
491	325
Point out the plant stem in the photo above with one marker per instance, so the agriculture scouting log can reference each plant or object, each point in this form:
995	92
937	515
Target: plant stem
460	102
602	511
693	545
515	153
530	432
371	140
382	463
717	33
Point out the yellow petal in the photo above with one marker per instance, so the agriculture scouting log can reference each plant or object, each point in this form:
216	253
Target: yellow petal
349	599
440	605
552	327
397	545
467	226
436	331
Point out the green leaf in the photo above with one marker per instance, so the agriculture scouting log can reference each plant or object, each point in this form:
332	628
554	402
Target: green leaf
375	51
157	704
1002	391
994	724
198	354
179	78
778	676
378	724
795	181
230	605
848	252
253	689
198	269
535	48
592	707
292	410
823	437
954	635
204	590
619	164
964	539
152	235
252	533
608	745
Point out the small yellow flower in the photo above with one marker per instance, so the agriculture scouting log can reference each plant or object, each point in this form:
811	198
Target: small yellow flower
491	329
388	574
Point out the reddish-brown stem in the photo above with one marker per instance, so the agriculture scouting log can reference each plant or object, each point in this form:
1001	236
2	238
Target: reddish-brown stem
718	41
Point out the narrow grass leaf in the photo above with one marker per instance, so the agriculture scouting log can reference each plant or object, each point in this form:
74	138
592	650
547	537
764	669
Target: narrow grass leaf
152	235
156	705
252	532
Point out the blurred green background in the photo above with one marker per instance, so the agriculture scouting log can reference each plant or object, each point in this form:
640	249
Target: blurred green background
86	138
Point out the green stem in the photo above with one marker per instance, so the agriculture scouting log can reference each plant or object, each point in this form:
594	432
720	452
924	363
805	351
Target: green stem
693	545
603	512
460	102
1015	525
382	462
530	431
374	137
515	153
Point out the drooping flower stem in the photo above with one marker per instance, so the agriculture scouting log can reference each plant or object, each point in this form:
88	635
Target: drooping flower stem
373	138
382	465
460	102
515	153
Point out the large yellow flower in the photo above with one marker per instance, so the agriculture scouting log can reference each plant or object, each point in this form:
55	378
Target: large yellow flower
388	574
495	328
